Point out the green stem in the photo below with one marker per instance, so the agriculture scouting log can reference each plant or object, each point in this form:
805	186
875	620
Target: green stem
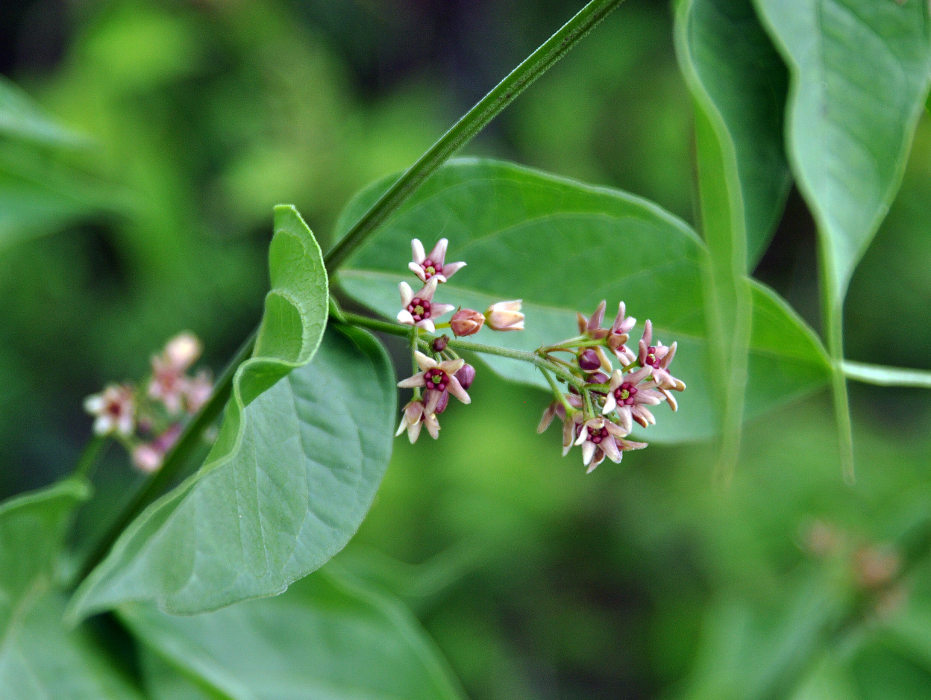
469	125
175	459
88	459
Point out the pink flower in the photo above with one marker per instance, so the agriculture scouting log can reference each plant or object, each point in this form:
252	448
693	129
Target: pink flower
629	394
657	358
197	391
148	457
168	384
466	322
505	316
601	438
420	310
181	351
436	378
414	417
115	409
618	335
427	267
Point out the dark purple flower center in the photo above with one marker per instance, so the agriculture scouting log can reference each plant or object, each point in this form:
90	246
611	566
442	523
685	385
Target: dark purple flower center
436	379
114	408
625	393
651	358
430	268
419	309
596	435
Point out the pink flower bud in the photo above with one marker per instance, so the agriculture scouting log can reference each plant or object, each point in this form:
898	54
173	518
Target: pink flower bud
439	344
182	350
589	360
466	375
466	322
505	316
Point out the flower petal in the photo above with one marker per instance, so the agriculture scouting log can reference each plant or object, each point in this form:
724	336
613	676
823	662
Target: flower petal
417	251
455	388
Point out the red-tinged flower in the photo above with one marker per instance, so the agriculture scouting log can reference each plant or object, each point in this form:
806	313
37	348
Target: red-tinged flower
197	391
505	316
436	378
466	322
618	334
591	326
414	418
657	358
599	434
148	457
434	265
420	310
114	408
629	394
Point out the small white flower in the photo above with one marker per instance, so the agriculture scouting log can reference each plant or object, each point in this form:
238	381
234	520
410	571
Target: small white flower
420	310
115	409
428	267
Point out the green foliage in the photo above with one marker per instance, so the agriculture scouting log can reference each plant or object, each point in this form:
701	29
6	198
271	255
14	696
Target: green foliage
327	637
545	239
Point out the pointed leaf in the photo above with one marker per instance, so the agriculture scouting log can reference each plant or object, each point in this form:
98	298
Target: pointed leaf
38	656
860	71
21	118
289	494
563	246
327	637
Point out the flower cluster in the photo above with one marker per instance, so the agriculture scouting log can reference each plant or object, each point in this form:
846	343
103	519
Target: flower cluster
441	372
603	402
148	421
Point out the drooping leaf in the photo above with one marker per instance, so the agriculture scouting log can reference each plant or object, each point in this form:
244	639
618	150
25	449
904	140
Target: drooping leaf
39	657
327	637
287	497
296	465
563	246
860	71
739	83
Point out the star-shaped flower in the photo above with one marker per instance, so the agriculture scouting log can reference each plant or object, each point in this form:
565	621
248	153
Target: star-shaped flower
115	409
628	394
420	310
657	358
436	378
434	265
415	418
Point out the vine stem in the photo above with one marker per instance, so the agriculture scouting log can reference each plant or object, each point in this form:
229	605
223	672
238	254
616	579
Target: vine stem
470	124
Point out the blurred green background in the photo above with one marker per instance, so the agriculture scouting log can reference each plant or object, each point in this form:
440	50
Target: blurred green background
137	203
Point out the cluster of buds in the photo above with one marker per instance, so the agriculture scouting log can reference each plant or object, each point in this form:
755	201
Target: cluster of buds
440	371
149	420
603	402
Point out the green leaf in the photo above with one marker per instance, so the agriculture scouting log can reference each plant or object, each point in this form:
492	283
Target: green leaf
860	71
739	83
327	637
21	118
38	656
883	375
563	246
286	498
293	471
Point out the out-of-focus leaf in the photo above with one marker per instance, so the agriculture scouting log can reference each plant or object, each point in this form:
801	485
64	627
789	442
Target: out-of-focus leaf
292	473
885	375
38	656
563	246
739	82
860	72
21	118
327	637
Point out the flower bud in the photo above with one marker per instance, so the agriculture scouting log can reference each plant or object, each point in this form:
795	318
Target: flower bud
466	375
442	402
505	316
589	360
466	322
182	350
439	344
